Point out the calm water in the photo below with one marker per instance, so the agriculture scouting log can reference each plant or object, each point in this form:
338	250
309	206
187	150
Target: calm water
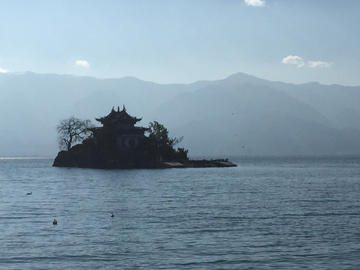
283	213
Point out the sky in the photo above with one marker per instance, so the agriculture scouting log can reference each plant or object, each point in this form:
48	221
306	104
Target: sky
183	41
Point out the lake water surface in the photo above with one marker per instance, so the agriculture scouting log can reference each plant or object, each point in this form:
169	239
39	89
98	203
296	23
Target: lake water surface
267	213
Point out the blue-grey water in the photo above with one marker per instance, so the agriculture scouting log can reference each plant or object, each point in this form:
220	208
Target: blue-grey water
267	213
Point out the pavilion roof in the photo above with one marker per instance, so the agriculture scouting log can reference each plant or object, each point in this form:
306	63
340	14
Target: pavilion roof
115	116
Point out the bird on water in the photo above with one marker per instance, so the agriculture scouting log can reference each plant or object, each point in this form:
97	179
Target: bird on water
29	193
112	215
55	222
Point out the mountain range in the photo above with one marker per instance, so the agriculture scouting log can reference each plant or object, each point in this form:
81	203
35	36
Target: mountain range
239	115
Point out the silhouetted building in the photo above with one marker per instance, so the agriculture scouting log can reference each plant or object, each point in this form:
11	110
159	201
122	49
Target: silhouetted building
119	130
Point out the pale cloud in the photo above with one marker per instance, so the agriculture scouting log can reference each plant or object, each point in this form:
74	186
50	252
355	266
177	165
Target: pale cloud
2	70
293	60
255	3
82	63
315	64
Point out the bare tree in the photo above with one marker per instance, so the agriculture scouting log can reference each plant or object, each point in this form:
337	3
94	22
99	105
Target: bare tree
73	130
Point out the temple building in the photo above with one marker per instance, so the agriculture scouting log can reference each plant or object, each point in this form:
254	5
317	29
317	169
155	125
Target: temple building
119	130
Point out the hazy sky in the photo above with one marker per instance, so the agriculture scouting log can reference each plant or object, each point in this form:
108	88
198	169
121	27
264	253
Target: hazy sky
182	41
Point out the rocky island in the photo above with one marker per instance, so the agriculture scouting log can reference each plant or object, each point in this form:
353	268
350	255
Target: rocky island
119	144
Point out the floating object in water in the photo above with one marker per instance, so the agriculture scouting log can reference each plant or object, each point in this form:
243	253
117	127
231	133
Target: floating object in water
55	222
112	215
29	193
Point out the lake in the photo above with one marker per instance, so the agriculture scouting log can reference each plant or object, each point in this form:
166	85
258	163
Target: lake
267	213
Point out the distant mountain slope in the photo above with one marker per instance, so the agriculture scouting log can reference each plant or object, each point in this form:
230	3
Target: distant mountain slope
253	120
239	115
340	104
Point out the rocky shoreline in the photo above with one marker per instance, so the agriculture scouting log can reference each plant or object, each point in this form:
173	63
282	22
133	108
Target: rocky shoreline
200	164
73	159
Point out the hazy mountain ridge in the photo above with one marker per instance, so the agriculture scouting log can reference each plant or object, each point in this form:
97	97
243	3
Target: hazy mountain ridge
340	104
239	115
252	120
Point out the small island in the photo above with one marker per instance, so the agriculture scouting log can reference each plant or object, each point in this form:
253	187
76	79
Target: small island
119	144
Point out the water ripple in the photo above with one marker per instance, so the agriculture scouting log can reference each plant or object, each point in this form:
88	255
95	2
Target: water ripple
264	214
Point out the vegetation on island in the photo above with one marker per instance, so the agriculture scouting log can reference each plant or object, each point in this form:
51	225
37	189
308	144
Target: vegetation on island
73	130
165	145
